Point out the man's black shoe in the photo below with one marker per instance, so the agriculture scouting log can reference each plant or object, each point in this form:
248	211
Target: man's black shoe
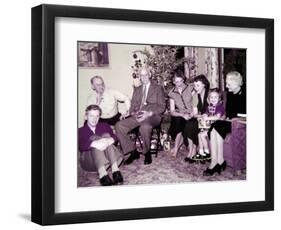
147	159
106	181
133	156
117	177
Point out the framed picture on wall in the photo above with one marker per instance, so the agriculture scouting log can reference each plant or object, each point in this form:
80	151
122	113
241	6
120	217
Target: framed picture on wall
92	54
173	117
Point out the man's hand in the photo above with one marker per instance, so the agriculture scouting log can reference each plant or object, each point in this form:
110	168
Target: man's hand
123	116
143	115
102	143
109	141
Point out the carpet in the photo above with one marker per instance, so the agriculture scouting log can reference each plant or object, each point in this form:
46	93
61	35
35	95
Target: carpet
163	169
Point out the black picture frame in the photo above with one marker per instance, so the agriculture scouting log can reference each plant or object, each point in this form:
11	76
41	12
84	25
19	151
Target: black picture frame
43	114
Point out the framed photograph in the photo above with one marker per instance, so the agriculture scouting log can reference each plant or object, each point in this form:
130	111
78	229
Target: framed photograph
143	114
92	54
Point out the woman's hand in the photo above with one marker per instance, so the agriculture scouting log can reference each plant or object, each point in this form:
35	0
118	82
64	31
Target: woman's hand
205	117
186	116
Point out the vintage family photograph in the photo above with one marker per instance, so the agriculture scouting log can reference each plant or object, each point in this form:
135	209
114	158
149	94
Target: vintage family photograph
152	114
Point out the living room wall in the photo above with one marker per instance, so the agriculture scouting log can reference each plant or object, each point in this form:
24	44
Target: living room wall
117	75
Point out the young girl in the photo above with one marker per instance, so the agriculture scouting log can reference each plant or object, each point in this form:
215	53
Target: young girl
215	111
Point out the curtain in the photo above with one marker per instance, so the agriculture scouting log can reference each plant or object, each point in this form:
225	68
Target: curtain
207	61
212	67
191	62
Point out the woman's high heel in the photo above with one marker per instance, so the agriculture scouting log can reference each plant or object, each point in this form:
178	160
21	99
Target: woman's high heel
223	166
211	172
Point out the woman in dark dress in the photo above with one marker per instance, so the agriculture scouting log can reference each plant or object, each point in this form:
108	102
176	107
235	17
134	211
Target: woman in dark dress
180	109
235	103
200	104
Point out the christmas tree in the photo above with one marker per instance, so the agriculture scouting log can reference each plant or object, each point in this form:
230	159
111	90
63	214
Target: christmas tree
162	61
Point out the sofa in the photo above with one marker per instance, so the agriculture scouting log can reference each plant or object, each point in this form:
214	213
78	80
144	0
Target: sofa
235	146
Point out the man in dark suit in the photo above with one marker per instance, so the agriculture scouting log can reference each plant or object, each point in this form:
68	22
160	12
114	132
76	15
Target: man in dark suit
147	105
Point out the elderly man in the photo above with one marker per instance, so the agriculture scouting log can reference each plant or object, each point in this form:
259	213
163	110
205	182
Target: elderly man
96	146
148	103
107	99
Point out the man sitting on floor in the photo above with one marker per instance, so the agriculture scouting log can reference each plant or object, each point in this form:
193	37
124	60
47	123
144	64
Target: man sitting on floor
97	139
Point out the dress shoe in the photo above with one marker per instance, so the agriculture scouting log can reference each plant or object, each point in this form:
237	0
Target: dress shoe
202	162
117	177
211	172
133	156
208	156
106	181
223	165
189	160
147	158
200	157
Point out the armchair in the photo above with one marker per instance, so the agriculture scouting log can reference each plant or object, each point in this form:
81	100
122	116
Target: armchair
235	146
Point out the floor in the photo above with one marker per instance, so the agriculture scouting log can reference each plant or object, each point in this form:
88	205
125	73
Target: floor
164	169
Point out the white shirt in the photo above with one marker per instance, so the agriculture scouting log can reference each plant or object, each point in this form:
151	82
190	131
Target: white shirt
108	102
146	92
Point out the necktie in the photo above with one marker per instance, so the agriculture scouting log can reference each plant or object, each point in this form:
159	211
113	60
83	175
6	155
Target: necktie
143	100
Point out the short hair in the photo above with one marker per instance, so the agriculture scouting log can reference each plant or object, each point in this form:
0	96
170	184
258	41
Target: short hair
215	90
203	79
179	74
93	107
235	76
96	77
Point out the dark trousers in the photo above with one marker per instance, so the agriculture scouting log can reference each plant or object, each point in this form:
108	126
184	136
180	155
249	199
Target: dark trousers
145	128
111	121
94	159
